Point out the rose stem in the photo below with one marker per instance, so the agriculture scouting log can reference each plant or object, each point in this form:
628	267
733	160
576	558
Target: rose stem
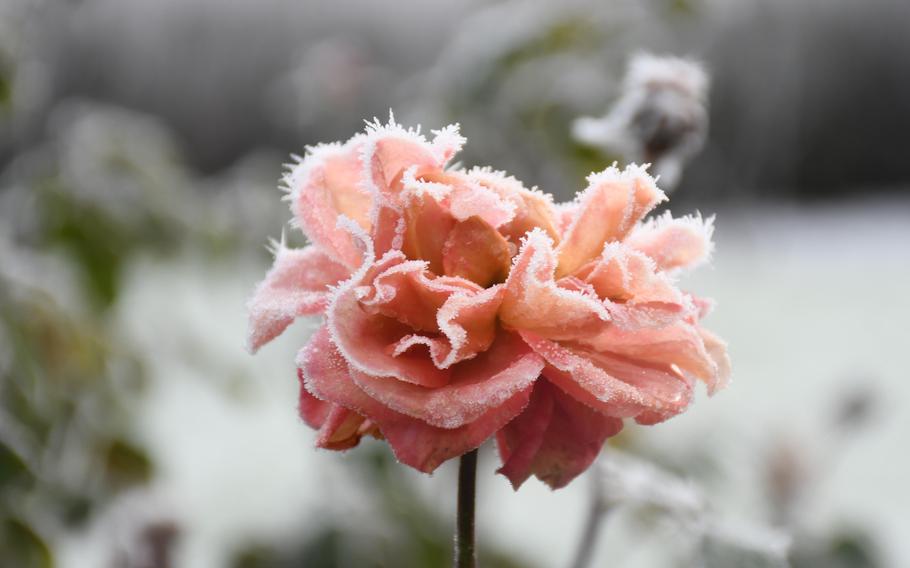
464	526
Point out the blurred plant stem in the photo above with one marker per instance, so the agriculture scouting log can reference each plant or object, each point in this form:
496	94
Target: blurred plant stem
597	511
465	555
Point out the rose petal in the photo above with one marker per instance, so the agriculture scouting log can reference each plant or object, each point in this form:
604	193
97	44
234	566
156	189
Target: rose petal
390	150
477	386
312	410
534	302
296	285
717	350
477	252
674	243
327	183
466	198
556	438
607	210
414	442
680	344
467	322
634	292
427	227
532	209
609	384
339	428
374	316
407	291
520	440
367	339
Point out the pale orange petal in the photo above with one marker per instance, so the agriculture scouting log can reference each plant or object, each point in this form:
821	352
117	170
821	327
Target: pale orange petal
326	184
534	302
607	210
674	243
477	252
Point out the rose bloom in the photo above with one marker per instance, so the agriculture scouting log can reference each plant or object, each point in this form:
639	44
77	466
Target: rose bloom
459	305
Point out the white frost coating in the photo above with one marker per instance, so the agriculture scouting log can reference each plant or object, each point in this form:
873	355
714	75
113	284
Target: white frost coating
622	253
683	73
416	188
447	142
299	176
455	333
480	201
493	179
699	228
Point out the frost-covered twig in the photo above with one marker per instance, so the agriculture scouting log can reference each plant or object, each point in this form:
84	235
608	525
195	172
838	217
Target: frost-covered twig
623	480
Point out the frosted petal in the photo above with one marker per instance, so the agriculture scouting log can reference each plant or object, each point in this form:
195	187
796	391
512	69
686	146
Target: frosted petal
556	438
326	184
607	211
297	285
675	243
414	442
612	385
534	302
478	386
531	209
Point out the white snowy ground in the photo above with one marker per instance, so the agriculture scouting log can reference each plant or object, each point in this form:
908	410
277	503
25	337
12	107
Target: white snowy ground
807	298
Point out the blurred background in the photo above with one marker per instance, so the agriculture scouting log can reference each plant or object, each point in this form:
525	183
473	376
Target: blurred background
140	147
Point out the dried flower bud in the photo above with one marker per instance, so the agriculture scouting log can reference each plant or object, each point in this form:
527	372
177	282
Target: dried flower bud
659	118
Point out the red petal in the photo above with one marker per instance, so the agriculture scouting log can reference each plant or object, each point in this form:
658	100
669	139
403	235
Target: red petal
556	438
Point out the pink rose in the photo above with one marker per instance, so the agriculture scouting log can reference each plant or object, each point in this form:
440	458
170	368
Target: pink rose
459	305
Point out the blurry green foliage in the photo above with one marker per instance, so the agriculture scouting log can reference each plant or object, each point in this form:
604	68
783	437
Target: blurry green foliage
6	85
13	471
98	242
126	464
22	547
849	548
682	7
570	34
6	92
63	446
